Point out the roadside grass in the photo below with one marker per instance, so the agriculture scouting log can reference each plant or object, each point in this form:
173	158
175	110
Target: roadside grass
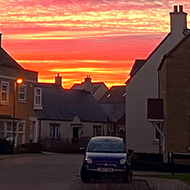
183	177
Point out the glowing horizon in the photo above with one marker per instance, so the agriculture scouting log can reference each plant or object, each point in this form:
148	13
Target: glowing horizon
100	38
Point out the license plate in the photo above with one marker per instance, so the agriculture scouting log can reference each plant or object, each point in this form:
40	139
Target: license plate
105	169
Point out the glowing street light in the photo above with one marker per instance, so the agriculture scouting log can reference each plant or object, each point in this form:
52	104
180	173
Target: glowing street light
18	81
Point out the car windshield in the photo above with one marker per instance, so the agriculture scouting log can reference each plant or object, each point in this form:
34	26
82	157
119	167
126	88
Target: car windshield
106	145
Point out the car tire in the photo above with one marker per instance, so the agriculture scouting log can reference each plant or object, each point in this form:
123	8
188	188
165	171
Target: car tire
127	178
85	177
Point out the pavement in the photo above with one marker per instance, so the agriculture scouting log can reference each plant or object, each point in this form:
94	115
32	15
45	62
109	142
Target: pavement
160	183
153	183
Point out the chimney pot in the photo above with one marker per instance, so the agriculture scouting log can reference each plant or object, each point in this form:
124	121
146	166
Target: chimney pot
58	80
181	8
87	79
175	9
0	39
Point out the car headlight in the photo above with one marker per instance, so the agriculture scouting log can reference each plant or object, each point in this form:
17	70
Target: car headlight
89	160
122	161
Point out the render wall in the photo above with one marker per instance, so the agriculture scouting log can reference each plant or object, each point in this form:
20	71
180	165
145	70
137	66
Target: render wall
66	130
144	85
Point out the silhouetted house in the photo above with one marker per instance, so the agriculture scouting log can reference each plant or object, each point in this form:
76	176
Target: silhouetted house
174	74
18	102
97	89
143	84
69	116
113	103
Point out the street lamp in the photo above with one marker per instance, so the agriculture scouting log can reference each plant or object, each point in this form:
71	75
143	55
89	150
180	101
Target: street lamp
18	81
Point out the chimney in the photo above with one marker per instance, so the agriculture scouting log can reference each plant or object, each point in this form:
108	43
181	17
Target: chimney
0	39
87	79
178	20
58	80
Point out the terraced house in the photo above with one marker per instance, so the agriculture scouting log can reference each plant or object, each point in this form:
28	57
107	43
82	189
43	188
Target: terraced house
19	100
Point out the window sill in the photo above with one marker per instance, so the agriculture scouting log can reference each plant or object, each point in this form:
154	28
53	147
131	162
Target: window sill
38	108
155	142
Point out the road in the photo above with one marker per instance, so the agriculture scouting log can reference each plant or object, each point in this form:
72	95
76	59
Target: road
53	172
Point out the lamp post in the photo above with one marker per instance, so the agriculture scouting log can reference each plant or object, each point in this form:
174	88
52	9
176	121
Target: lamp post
18	81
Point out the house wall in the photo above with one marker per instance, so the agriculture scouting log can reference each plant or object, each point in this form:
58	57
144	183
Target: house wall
144	85
175	91
23	110
66	129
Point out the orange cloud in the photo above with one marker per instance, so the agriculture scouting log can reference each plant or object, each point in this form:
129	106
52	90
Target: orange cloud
77	38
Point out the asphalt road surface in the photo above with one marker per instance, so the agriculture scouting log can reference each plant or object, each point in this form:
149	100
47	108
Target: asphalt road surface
53	172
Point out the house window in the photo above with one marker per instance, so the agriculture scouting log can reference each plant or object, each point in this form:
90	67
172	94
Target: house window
97	130
9	131
75	132
156	135
111	130
4	92
54	130
22	93
20	133
37	98
2	133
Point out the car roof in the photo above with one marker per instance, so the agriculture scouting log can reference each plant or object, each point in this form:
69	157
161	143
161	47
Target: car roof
106	137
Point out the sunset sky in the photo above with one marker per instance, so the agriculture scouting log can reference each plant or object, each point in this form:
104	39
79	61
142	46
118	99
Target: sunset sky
76	38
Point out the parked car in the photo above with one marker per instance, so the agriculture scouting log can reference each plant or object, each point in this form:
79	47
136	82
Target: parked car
105	156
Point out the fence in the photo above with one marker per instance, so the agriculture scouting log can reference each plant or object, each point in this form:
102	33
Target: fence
183	164
63	144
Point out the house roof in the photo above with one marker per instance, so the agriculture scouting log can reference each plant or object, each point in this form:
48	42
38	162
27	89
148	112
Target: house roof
49	85
136	66
149	56
116	94
172	50
60	104
114	111
92	87
7	61
113	103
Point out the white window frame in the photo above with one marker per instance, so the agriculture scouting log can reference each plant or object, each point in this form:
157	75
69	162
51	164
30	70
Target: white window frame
20	124
155	138
97	130
7	130
54	130
5	102
24	93
37	105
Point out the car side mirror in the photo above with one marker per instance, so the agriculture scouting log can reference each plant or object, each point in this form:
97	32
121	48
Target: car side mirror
82	150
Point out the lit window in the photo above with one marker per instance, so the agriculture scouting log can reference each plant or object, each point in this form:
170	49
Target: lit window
22	93
37	98
4	92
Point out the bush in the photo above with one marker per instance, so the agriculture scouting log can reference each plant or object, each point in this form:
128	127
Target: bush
153	162
5	147
28	148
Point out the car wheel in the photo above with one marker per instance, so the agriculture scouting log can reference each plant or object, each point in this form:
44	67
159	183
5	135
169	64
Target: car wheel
85	175
127	178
